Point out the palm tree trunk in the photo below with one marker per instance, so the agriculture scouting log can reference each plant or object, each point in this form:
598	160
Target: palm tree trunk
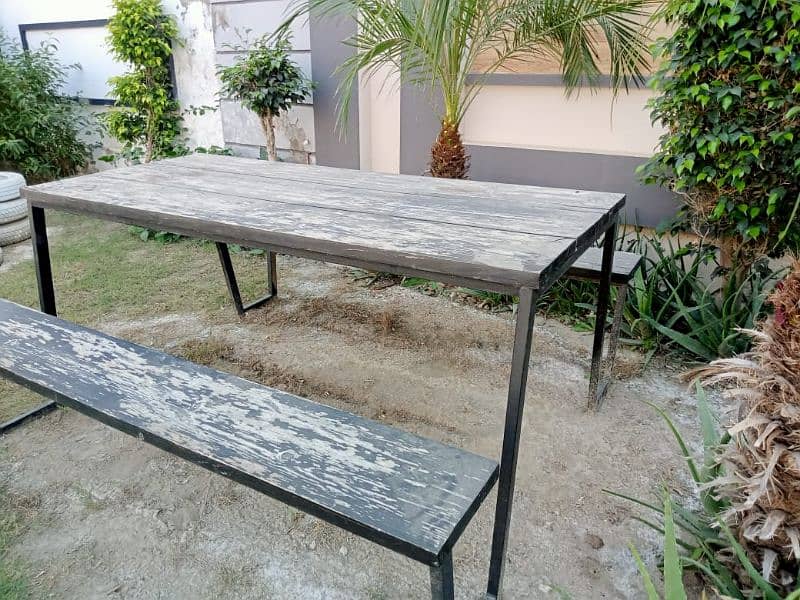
269	131
449	157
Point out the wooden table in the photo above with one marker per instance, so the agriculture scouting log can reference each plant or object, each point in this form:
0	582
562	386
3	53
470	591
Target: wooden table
505	238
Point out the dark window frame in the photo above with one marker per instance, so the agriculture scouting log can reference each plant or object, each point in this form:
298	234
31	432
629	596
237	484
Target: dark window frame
24	28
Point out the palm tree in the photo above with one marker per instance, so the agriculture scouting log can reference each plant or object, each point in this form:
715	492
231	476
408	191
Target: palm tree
435	44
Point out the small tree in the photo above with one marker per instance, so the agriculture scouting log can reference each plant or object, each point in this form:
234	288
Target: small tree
267	82
730	100
146	118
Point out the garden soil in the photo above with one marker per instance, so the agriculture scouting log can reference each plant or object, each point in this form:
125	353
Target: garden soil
107	516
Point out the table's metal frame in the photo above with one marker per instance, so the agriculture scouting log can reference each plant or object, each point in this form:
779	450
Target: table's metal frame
520	361
233	285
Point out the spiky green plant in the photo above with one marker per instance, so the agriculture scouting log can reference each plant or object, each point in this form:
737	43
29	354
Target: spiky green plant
701	540
436	44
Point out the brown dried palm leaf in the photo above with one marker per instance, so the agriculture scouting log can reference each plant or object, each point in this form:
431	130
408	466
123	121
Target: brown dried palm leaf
762	464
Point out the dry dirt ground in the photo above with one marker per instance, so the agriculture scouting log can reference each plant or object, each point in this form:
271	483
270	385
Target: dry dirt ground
109	517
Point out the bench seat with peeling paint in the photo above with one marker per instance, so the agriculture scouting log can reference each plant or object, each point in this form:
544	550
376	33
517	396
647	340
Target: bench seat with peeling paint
402	491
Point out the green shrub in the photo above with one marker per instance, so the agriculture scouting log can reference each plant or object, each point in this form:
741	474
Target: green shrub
40	129
146	118
266	81
729	97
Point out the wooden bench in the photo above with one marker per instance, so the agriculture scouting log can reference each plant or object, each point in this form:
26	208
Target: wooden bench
412	495
588	267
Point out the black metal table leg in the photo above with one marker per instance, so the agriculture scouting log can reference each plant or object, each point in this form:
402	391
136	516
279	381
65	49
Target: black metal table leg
233	286
603	296
523	335
41	258
442	582
47	299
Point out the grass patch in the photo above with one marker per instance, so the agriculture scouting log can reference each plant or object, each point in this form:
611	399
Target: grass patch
14	399
104	273
13	583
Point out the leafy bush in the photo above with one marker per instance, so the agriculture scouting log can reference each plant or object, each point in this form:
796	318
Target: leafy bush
266	81
146	117
437	45
40	129
729	96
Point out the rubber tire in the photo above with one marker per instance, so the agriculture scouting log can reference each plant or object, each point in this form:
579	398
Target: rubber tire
13	210
11	233
10	183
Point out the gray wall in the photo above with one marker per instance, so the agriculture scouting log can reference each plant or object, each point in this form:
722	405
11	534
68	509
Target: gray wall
334	148
646	205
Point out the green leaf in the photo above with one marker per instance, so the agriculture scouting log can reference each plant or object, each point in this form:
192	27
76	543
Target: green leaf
673	571
768	591
683	340
687	455
726	102
649	588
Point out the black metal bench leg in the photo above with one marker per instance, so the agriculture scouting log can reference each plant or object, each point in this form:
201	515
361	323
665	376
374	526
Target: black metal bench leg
47	299
604	367
38	411
233	286
603	297
442	582
523	336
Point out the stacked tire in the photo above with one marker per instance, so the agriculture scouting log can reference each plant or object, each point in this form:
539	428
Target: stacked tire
14	226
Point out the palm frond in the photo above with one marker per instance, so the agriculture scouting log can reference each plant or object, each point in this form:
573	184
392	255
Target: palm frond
436	44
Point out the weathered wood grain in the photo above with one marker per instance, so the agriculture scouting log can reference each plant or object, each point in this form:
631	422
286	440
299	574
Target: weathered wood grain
484	213
486	235
408	493
504	195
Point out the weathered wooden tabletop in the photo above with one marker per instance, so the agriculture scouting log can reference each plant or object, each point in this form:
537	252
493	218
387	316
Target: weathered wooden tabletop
486	235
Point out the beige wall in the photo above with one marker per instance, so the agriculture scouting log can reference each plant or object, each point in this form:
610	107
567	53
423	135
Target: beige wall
379	122
544	118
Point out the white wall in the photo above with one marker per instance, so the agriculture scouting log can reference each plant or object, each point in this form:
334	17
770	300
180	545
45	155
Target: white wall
14	12
85	46
195	71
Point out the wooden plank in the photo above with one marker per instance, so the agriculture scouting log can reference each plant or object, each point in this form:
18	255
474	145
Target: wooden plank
504	195
588	266
488	257
408	493
486	213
